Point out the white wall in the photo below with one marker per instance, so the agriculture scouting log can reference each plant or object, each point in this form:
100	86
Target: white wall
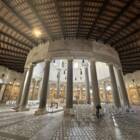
10	75
102	70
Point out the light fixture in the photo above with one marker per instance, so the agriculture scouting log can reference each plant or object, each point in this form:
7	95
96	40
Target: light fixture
108	88
76	65
37	33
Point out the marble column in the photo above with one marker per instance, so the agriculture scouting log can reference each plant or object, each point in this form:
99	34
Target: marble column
87	85
69	97
25	89
34	82
94	83
39	88
58	82
44	90
21	89
123	88
114	87
2	90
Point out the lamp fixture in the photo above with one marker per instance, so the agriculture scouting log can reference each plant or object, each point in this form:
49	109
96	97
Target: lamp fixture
37	33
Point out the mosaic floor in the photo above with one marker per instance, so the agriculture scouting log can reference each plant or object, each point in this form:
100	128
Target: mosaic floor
53	126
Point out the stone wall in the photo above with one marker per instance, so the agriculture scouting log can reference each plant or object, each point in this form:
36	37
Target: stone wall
76	49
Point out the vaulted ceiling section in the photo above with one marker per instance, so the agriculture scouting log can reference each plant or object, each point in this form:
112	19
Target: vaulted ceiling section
114	22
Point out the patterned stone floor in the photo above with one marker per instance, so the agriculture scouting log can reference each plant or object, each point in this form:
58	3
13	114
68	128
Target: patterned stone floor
53	126
85	126
24	125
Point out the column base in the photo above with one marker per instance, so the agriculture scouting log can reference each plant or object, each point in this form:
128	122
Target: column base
22	109
117	110
69	112
15	108
40	111
127	108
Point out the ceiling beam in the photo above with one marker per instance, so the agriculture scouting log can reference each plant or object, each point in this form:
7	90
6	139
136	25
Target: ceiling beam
105	3
130	51
6	51
126	37
60	17
11	63
32	6
16	40
14	67
17	31
128	56
6	3
123	27
14	46
12	60
131	63
122	11
130	60
13	51
125	44
135	67
81	10
8	56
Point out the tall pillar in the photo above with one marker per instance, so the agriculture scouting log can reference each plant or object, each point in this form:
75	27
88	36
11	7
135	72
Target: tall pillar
3	87
58	82
33	88
21	89
123	88
114	87
25	89
44	90
69	97
81	93
94	83
2	90
87	85
39	88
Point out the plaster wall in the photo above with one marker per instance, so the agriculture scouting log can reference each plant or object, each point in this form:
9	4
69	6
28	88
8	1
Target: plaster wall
10	75
132	76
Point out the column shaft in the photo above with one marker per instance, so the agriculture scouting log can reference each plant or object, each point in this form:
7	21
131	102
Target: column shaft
69	97
2	90
114	87
58	83
45	86
123	88
26	87
94	83
21	89
87	85
33	89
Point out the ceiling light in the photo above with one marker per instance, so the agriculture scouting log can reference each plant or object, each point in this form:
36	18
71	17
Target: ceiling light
76	65
108	88
37	33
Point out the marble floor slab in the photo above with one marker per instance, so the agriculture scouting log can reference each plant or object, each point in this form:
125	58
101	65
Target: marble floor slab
55	126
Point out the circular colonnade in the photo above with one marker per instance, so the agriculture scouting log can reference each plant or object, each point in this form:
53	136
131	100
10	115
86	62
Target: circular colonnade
73	49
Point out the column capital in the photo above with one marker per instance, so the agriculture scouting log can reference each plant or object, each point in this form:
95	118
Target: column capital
110	64
29	66
92	60
118	68
48	60
70	59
